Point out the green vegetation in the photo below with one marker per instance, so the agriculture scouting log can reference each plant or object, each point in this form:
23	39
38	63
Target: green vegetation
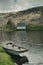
5	59
9	26
29	27
34	27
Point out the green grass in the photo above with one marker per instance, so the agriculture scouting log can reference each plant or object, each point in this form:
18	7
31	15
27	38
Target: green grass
5	59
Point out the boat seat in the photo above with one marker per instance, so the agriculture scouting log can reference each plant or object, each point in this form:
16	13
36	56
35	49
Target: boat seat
9	43
13	45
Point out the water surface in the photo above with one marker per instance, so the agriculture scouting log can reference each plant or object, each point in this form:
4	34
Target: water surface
32	40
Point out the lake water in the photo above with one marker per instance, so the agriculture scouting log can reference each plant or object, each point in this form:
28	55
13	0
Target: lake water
32	40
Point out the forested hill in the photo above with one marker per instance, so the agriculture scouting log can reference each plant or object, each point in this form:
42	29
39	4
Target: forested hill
32	15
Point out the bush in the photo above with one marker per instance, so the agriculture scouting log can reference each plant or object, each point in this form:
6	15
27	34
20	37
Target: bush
35	27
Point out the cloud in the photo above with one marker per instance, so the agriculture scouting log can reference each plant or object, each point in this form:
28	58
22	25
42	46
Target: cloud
22	5
25	4
37	3
17	5
7	5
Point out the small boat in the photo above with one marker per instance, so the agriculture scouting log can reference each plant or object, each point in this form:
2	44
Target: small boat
13	49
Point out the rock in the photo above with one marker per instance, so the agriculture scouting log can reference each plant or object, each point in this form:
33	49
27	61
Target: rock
24	59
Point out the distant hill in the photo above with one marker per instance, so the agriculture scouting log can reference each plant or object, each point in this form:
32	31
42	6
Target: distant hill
32	15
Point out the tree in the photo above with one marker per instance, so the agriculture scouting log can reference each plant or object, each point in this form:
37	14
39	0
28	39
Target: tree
10	25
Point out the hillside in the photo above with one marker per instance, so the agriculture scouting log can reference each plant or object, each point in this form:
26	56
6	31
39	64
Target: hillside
32	15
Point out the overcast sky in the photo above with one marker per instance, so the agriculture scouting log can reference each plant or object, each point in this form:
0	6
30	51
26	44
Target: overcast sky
17	5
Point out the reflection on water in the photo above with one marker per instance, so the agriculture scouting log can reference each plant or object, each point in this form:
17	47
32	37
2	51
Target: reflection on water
32	40
23	37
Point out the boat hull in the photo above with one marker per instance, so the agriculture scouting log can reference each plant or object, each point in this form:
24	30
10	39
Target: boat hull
13	52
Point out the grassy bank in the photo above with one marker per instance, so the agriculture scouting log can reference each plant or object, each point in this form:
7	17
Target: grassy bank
5	59
35	27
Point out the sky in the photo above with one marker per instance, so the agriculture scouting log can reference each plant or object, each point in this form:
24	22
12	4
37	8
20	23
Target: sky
18	5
